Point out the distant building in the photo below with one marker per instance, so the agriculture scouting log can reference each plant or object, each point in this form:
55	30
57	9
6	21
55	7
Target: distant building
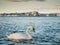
58	14
35	13
42	15
52	14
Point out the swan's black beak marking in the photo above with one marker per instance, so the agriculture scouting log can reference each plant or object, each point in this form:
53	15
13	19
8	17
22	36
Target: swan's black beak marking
33	29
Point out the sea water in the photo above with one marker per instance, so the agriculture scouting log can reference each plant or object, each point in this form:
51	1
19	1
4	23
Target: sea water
47	30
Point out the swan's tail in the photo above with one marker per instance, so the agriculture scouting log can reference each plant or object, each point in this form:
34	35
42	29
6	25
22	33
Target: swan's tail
7	35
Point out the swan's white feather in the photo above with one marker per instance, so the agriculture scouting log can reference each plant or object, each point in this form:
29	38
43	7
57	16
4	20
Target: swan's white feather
16	36
19	36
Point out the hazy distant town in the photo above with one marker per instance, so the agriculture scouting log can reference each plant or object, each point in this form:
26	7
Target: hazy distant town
31	14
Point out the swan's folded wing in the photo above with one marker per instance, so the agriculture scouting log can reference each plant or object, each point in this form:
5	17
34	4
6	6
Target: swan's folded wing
17	36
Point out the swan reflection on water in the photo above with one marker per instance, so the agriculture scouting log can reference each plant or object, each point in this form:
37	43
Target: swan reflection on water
18	36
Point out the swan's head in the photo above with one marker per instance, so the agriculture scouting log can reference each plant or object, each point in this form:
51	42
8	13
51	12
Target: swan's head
31	28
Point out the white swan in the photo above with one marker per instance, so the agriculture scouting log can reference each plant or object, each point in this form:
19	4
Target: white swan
18	36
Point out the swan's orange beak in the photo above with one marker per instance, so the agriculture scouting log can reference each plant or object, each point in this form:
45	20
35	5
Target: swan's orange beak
33	29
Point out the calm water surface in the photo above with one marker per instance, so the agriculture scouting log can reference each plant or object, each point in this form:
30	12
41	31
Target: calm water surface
47	30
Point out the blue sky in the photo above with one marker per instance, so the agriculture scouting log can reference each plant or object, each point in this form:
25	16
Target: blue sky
28	5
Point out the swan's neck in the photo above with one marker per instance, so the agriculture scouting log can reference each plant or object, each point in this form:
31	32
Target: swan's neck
28	34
